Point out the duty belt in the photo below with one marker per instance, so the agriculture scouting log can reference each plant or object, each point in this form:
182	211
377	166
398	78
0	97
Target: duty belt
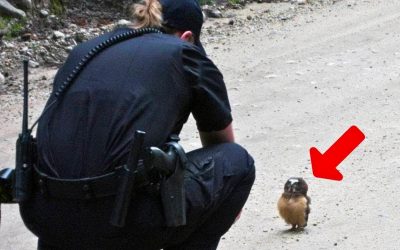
161	170
81	189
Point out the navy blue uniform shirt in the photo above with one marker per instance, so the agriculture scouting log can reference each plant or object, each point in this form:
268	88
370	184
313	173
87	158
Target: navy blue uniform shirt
151	83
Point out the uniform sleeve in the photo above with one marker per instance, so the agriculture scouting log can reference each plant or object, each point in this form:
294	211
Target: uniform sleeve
210	105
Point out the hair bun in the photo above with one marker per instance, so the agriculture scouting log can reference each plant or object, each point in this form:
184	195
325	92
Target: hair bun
147	13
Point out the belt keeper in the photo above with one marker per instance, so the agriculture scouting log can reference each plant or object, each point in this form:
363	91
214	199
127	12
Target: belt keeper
43	187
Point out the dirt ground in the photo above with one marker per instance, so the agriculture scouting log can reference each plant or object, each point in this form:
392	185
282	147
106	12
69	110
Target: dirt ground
294	85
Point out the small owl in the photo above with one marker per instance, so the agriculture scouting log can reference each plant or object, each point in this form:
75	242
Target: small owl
294	204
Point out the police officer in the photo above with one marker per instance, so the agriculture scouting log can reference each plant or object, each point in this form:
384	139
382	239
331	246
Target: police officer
150	83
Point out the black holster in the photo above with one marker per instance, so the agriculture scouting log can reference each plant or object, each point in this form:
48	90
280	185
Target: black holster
170	164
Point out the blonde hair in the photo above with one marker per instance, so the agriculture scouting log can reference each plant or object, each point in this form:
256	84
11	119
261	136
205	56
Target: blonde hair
146	13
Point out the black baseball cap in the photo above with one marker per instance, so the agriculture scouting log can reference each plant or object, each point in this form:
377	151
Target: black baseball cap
184	15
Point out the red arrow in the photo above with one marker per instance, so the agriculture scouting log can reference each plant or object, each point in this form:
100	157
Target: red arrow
324	165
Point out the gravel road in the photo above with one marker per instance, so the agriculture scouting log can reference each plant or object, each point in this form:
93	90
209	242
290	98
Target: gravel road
293	85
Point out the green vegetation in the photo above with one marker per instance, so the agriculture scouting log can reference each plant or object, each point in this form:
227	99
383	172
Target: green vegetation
204	2
57	7
12	27
233	1
16	28
3	23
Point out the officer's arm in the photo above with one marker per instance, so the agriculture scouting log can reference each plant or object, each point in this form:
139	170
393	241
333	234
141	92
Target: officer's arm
216	137
210	104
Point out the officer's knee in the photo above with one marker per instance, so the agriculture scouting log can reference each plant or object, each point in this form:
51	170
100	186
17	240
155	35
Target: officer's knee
242	162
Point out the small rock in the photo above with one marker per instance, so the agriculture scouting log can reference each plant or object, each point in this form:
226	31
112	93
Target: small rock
231	22
79	37
123	23
24	50
58	35
212	13
9	45
236	6
301	2
271	76
249	17
26	37
33	64
69	48
73	26
2	79
43	13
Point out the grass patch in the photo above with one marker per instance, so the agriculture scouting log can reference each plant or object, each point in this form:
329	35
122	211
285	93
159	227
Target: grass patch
4	22
57	7
16	28
12	27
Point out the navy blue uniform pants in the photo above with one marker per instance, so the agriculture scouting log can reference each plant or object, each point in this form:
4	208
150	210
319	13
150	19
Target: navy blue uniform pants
218	181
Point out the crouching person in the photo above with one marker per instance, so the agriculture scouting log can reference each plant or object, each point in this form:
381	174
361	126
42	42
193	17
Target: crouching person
148	77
